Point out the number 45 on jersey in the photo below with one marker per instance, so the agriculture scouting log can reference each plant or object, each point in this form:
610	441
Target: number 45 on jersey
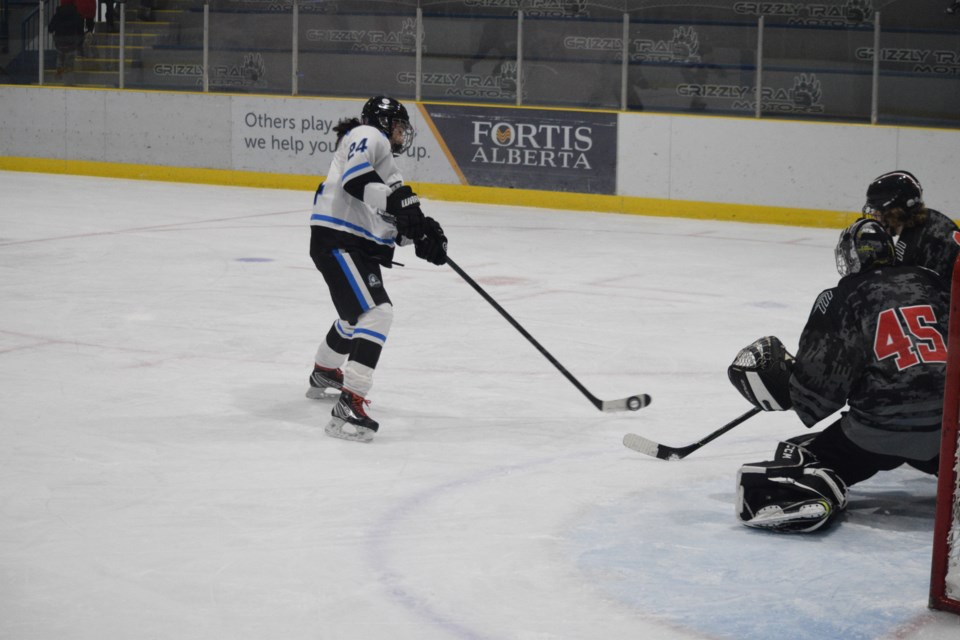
909	335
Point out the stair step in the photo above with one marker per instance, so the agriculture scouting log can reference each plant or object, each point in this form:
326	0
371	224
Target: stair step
53	72
100	67
136	64
135	47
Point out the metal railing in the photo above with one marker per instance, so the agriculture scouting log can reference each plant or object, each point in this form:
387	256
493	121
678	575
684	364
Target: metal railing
4	25
33	29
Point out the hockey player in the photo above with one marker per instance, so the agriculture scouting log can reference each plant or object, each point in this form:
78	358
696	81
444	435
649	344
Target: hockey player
874	342
924	237
360	213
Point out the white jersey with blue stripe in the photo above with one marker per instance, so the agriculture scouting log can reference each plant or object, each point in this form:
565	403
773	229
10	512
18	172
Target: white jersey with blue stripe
354	224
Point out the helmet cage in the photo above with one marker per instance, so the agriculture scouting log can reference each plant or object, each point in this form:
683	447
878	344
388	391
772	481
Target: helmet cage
390	117
862	245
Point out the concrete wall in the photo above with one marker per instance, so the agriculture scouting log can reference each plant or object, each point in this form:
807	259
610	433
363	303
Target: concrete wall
742	168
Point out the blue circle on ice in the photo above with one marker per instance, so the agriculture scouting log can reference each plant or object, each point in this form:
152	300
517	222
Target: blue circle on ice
683	558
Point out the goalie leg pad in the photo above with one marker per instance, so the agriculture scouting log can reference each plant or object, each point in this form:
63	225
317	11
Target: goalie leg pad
761	373
791	494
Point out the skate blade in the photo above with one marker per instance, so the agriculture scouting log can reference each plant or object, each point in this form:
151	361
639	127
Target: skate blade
323	393
335	429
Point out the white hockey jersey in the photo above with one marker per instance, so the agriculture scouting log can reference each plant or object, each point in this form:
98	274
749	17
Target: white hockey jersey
364	155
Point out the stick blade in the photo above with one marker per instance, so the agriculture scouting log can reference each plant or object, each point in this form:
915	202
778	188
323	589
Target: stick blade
641	444
649	447
633	403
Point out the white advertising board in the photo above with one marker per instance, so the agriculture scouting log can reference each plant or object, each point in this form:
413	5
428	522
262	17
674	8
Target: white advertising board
743	161
295	136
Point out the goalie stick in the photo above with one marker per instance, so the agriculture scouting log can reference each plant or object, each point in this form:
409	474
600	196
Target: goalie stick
662	451
631	403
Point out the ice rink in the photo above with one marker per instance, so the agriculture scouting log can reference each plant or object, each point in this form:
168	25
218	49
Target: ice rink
162	475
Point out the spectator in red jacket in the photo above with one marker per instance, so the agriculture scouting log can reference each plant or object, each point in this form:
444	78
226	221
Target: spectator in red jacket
88	11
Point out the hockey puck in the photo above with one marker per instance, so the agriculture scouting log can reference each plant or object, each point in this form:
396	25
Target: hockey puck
634	403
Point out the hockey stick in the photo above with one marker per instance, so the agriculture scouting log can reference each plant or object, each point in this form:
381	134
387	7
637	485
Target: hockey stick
632	403
662	451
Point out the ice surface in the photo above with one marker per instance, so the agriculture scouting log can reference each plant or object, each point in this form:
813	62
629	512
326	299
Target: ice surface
163	476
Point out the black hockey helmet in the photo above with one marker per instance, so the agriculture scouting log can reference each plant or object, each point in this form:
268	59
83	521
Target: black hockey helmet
386	114
893	190
863	245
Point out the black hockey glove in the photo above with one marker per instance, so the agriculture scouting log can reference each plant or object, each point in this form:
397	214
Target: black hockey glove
404	205
432	247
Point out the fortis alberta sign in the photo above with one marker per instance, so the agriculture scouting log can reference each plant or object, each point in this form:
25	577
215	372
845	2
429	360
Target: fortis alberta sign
531	149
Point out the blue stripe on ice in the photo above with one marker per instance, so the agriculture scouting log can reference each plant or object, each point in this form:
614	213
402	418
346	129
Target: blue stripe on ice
693	565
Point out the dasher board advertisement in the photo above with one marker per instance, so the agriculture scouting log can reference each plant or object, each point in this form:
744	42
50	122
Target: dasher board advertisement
530	148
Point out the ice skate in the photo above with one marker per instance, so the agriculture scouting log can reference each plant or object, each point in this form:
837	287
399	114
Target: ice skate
349	419
325	384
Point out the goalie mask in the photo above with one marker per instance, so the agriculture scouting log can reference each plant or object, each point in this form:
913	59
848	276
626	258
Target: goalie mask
863	245
390	117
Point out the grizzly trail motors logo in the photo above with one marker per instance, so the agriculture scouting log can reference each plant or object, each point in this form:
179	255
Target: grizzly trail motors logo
532	145
500	84
683	47
941	62
536	8
803	97
402	40
250	73
851	12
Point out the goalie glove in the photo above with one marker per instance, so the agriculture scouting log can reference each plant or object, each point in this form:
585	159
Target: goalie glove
761	373
404	205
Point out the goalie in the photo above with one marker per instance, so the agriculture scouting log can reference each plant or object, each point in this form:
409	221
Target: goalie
875	342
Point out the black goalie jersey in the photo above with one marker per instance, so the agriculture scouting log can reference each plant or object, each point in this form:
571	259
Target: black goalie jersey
876	341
